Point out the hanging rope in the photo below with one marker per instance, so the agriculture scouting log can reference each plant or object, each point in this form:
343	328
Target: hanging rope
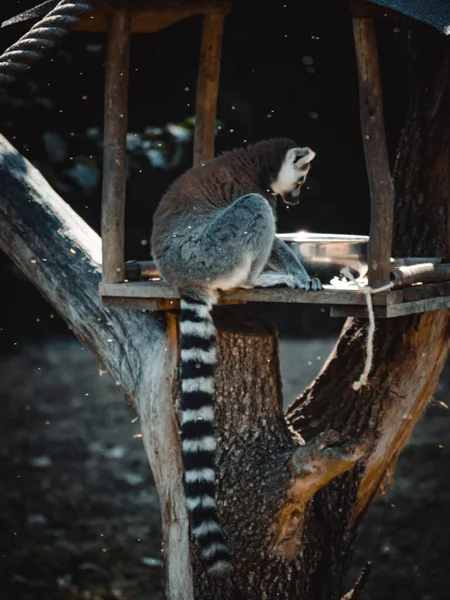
43	36
367	291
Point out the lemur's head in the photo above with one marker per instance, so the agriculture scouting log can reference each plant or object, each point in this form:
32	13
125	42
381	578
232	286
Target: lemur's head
292	174
282	166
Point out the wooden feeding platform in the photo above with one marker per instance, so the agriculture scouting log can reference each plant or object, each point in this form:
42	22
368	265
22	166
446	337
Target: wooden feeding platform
404	299
158	295
418	292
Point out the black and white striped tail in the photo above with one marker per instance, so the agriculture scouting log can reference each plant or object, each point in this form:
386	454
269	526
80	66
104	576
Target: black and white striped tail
198	362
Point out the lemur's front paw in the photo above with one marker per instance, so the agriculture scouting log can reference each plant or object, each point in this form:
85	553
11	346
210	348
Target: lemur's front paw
313	284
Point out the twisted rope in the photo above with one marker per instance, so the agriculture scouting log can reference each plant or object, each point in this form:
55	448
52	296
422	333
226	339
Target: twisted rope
367	291
43	36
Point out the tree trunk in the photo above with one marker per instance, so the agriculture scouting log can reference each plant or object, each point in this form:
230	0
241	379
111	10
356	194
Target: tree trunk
279	496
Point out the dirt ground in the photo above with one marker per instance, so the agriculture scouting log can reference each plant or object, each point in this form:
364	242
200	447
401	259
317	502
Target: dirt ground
79	515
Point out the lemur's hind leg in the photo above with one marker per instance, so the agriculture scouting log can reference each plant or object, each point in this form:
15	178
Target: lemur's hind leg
219	250
241	237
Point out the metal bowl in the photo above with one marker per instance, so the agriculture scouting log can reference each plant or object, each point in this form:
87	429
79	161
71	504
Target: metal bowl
324	254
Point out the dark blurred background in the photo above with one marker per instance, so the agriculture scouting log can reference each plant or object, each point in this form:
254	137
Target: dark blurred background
78	517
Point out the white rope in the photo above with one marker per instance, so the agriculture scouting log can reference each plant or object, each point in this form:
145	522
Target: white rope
367	291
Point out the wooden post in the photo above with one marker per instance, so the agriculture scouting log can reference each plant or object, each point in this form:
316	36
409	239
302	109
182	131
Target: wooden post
208	87
375	150
114	146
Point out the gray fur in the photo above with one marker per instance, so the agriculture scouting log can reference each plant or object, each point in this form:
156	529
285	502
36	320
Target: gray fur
220	245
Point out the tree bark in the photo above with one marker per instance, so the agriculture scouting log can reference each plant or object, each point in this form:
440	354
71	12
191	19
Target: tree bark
283	479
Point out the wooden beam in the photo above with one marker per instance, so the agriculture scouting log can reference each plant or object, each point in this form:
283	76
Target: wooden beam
208	88
394	310
149	16
422	272
375	151
330	295
114	146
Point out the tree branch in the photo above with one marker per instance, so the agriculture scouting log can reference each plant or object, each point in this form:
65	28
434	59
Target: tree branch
61	255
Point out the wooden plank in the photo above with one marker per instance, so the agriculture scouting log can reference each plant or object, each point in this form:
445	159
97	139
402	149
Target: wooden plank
392	311
149	16
131	303
114	146
136	270
343	303
208	88
375	151
331	295
417	307
426	291
415	260
359	312
381	312
153	304
423	272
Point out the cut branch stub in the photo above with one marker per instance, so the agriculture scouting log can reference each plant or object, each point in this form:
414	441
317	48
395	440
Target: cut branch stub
312	466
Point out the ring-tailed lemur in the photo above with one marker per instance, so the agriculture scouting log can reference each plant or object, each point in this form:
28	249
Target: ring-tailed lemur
215	229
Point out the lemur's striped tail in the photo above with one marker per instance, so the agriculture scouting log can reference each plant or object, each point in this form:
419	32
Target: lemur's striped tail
198	362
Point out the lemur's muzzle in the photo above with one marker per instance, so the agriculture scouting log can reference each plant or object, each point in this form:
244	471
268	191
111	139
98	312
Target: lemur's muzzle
293	198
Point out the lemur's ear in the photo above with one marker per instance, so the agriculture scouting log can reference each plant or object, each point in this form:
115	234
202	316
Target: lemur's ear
303	156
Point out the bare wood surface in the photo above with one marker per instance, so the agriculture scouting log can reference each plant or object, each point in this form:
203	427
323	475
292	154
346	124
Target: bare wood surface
330	295
393	310
158	304
136	270
375	151
208	88
423	272
114	146
144	304
150	16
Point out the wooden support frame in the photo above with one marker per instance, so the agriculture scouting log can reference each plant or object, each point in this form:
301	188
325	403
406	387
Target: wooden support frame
150	16
116	291
208	88
114	146
375	151
157	295
147	15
